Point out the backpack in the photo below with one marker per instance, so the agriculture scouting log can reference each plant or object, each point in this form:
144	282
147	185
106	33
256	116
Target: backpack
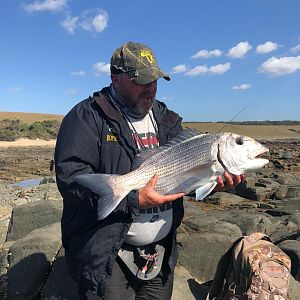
253	268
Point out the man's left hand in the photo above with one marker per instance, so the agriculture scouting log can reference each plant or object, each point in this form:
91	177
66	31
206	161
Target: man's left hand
228	182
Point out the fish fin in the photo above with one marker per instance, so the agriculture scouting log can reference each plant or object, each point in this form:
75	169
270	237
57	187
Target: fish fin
204	190
185	186
182	136
109	192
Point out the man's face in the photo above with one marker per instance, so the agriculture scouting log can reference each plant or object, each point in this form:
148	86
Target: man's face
138	97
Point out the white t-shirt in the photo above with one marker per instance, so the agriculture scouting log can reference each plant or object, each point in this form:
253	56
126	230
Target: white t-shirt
152	224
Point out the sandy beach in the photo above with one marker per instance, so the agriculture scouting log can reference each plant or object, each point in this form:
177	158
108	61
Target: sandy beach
28	143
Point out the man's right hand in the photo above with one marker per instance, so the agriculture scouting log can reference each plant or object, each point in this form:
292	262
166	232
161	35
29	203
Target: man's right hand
148	197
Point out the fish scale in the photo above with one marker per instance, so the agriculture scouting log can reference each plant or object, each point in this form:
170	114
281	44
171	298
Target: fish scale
191	161
187	155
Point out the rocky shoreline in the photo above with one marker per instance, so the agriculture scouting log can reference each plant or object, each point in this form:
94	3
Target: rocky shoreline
32	262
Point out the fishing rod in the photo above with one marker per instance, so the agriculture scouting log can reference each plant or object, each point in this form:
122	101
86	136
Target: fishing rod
233	118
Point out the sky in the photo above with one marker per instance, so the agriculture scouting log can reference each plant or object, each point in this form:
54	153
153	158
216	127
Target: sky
225	57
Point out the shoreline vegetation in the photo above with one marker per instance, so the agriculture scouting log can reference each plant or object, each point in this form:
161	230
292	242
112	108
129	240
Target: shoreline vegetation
32	129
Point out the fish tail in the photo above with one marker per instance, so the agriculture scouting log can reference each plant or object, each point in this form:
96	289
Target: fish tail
109	188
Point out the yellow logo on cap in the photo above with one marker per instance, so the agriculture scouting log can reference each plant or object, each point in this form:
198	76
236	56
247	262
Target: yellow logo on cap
148	55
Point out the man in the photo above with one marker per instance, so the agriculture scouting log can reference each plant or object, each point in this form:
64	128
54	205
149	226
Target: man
132	252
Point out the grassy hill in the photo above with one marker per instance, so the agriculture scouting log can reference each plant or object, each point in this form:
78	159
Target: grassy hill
29	117
256	131
14	125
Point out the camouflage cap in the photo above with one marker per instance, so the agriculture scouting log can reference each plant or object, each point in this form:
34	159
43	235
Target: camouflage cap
138	61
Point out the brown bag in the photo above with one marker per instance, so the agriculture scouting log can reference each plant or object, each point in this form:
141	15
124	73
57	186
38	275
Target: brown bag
253	268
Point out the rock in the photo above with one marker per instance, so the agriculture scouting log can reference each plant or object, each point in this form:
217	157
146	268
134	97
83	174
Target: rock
293	192
48	179
200	253
287	155
281	192
212	225
289	206
247	221
285	228
292	249
191	209
4	264
287	179
294	289
224	199
30	260
258	193
187	287
28	217
278	165
59	284
3	231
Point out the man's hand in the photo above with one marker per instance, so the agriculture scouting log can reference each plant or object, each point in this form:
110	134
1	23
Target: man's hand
148	197
229	183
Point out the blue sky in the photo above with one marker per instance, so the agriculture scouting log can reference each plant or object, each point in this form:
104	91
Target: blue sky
222	55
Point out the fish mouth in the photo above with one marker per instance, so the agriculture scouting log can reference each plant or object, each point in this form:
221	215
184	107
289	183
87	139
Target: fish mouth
259	154
258	159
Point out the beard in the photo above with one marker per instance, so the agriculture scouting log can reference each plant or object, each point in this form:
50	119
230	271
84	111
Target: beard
143	106
140	105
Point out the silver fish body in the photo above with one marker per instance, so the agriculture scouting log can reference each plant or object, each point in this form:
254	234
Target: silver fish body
191	161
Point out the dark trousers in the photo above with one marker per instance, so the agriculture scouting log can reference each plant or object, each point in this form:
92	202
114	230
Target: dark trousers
123	285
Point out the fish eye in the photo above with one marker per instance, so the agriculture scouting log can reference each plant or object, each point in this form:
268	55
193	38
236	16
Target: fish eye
239	141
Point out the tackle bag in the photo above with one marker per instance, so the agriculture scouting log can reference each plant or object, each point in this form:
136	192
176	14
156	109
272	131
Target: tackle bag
253	268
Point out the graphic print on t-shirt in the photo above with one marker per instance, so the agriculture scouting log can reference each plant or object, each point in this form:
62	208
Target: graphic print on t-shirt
152	224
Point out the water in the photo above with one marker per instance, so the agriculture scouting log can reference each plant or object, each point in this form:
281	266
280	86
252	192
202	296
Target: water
28	182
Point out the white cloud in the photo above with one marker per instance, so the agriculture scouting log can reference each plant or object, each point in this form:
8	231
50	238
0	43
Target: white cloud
70	91
100	21
89	20
220	68
244	86
296	49
199	70
101	68
205	53
70	24
240	50
267	47
78	73
14	90
280	66
48	5
213	70
179	69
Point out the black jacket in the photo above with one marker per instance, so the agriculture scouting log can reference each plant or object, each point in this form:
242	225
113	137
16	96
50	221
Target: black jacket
95	138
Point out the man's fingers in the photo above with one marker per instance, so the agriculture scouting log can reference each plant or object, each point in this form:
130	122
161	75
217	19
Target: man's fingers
237	179
152	182
169	198
229	179
220	181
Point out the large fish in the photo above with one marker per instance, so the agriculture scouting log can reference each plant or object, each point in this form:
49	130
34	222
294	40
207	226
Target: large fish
191	161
